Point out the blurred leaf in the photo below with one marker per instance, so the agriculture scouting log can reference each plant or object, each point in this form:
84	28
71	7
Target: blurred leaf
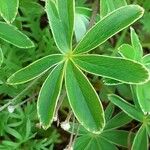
14	133
81	24
12	35
111	82
1	56
107	6
143	95
146	21
9	9
127	51
118	137
146	61
90	142
141	140
109	112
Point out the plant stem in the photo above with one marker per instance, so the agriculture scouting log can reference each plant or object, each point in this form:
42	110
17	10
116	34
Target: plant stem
19	96
95	8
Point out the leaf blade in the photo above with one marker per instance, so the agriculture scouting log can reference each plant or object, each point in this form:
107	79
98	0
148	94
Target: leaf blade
118	137
100	31
113	67
78	87
136	44
127	51
37	68
1	57
126	107
110	5
48	96
18	39
117	121
9	9
141	140
61	22
143	96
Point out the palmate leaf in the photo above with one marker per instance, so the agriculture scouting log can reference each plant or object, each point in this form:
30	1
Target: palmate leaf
35	69
116	68
107	140
88	142
83	99
1	56
109	26
48	96
12	35
9	9
118	137
61	20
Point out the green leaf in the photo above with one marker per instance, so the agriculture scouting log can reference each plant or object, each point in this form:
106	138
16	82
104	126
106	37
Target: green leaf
92	142
141	140
61	20
107	6
110	82
146	61
10	144
117	137
35	69
109	112
84	11
143	95
14	133
1	56
127	51
113	67
117	121
81	24
9	9
126	107
83	99
49	95
136	45
12	35
109	26
148	129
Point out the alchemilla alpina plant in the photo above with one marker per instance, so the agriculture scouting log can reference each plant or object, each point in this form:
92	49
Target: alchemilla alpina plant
71	63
